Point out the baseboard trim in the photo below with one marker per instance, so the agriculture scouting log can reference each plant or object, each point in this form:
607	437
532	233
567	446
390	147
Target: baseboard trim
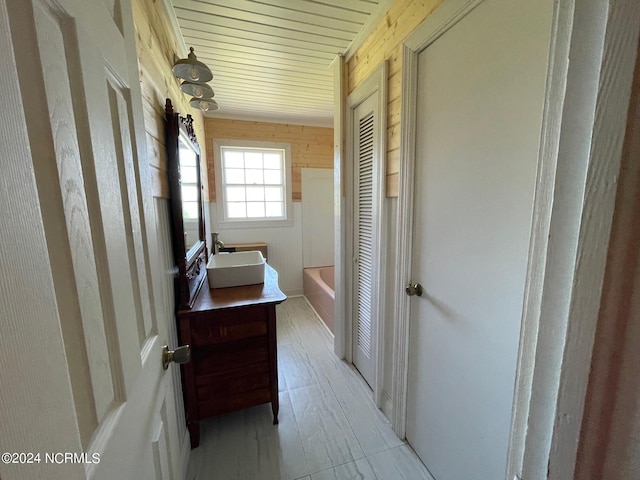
185	454
298	292
386	404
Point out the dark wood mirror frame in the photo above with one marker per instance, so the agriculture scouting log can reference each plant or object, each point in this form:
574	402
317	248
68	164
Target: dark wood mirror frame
191	264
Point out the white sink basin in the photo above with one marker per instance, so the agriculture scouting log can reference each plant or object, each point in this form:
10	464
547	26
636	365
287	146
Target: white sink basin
235	269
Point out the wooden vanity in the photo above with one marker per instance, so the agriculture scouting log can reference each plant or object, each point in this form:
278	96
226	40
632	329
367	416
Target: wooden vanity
232	333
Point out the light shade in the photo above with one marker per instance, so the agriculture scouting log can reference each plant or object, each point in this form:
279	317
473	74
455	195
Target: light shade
197	89
192	69
204	104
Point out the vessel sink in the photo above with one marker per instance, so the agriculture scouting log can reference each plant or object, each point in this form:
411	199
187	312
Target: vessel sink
235	269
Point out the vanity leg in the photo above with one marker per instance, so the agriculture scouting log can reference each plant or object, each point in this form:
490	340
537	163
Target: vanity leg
274	408
194	434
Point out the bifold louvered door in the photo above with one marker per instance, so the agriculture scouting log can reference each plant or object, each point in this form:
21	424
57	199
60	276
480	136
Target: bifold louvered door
366	158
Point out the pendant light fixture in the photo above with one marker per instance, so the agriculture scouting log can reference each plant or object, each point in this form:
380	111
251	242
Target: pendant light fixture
195	75
204	104
192	69
198	90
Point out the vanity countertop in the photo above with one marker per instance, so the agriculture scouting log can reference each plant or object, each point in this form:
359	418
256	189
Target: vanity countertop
233	297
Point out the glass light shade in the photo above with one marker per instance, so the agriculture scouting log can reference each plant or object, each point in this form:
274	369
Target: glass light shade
196	89
204	104
192	69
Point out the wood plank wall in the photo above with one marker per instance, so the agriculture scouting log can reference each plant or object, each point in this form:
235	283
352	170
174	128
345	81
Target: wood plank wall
385	42
157	46
310	146
610	437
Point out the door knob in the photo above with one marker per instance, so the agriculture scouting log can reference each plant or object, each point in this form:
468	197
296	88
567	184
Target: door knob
179	355
414	289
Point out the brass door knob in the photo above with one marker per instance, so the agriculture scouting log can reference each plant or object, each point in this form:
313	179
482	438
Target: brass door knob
179	355
413	289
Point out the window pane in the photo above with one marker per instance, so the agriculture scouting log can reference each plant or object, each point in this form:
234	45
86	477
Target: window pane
190	209
189	193
233	175
273	161
233	159
237	210
272	177
275	209
253	160
255	209
255	194
254	177
273	194
188	174
235	194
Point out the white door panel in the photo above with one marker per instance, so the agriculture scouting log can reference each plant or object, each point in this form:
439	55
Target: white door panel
82	108
480	103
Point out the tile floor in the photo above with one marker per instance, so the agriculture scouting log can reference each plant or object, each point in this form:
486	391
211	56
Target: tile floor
329	426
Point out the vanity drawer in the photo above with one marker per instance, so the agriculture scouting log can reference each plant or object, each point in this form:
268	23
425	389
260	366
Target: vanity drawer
229	357
227	327
221	386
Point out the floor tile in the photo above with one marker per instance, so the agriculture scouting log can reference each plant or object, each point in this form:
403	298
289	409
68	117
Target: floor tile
358	470
246	445
327	438
400	463
370	426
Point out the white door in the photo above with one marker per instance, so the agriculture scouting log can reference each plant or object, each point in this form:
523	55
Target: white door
480	103
366	157
87	380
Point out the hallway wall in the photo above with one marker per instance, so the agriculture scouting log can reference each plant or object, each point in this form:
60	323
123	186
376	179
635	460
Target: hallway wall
385	42
157	47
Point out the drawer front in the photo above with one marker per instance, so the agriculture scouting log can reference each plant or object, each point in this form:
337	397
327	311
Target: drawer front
233	385
230	358
228	326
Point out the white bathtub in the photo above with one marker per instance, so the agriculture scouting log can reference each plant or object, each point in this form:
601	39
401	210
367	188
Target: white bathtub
318	284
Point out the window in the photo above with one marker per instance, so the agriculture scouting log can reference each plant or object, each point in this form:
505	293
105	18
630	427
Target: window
253	185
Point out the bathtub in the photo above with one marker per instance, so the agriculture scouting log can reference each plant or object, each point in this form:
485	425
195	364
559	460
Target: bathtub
318	288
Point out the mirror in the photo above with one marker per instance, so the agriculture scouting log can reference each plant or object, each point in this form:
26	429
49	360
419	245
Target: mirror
187	216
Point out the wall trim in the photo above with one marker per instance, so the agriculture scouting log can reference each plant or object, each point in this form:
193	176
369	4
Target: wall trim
171	15
340	231
603	51
366	30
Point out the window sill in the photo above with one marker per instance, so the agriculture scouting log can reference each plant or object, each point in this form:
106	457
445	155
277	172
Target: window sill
229	225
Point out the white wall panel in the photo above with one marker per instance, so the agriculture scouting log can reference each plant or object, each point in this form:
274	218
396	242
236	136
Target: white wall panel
317	217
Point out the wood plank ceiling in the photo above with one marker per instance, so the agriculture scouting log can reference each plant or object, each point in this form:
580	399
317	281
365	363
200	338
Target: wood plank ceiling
271	58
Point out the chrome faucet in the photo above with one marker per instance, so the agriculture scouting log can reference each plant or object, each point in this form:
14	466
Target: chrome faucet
216	243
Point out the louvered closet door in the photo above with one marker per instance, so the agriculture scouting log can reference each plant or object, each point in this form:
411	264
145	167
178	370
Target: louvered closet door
364	242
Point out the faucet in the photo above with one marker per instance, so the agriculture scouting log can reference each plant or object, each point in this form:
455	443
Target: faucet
216	243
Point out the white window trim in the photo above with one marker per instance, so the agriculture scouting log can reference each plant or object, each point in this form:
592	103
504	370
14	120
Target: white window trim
222	222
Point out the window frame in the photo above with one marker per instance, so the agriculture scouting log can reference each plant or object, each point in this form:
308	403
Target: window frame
227	223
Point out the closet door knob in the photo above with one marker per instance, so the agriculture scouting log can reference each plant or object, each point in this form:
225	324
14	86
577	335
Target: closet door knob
414	289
